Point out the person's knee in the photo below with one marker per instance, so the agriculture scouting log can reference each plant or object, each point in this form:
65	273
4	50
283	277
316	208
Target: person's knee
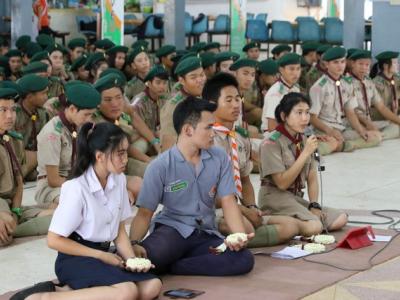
126	291
242	262
340	222
287	229
311	227
150	289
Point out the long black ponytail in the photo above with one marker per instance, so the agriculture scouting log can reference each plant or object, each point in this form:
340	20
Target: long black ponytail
378	67
104	137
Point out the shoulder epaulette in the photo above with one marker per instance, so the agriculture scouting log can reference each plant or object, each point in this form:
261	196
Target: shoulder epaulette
275	136
18	109
15	134
127	118
58	126
55	79
281	88
178	98
242	131
348	79
56	104
96	114
323	81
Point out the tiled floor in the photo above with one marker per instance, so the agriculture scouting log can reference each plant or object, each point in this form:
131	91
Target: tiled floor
368	179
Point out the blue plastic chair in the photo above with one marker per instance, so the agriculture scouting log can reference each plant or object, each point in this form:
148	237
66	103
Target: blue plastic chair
333	31
308	29
151	32
221	27
257	30
85	20
250	16
262	17
130	28
283	32
199	28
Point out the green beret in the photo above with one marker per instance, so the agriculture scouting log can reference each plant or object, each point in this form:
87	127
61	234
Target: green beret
11	85
40	56
226	55
334	53
8	93
189	54
56	47
187	65
135	52
207	59
35	67
44	40
74	82
280	48
115	72
322	49
309	47
212	45
104	44
79	62
351	51
83	96
32	83
78	42
93	59
22	42
107	82
243	62
251	45
289	59
360	54
13	53
198	47
116	49
156	71
140	43
32	48
387	55
165	50
179	55
268	67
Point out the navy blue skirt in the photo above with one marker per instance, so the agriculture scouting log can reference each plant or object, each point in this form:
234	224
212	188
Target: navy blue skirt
80	272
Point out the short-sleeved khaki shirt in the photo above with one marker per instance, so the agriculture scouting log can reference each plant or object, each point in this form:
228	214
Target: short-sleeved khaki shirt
384	88
149	110
166	113
134	87
325	100
56	87
252	95
312	76
372	95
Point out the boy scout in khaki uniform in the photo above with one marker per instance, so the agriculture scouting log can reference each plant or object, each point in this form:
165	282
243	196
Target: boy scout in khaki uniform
367	97
310	57
252	50
14	64
317	70
57	142
15	219
280	50
208	63
333	104
191	76
387	83
31	117
136	85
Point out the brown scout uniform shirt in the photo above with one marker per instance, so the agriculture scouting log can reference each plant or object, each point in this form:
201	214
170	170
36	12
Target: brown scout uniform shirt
384	88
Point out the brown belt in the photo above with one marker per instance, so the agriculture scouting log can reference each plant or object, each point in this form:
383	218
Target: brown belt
41	177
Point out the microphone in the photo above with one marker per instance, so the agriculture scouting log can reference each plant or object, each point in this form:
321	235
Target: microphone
309	131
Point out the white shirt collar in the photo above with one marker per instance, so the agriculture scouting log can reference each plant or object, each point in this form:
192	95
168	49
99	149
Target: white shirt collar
94	183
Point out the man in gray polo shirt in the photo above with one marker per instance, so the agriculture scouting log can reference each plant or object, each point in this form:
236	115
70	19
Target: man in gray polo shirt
186	180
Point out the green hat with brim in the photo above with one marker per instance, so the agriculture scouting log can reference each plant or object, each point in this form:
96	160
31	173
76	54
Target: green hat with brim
334	53
35	67
115	72
268	67
165	50
44	40
387	55
32	83
289	59
251	45
14	53
83	96
135	52
188	65
351	51
308	47
56	47
32	49
281	48
212	45
322	49
226	55
360	54
104	44
116	49
198	47
78	42
74	82
156	71
9	94
243	62
140	43
79	62
11	85
207	59
108	82
40	56
94	58
22	42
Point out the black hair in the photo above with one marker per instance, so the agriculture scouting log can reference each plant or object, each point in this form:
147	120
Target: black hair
378	67
104	137
162	76
95	67
111	60
212	88
288	102
189	112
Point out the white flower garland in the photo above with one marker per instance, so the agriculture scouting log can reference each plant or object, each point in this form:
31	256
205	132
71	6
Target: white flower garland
234	238
137	262
324	239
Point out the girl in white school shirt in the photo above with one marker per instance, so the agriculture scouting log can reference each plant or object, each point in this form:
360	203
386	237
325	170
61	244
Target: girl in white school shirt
92	210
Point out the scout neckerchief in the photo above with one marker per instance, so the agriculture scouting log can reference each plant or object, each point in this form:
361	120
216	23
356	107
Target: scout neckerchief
72	130
147	93
364	92
393	86
297	141
231	134
114	121
34	117
5	140
285	84
338	84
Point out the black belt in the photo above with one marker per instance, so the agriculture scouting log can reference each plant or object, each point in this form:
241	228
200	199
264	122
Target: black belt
103	246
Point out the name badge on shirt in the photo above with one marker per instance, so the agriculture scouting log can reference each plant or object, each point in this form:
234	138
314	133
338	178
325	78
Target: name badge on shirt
176	186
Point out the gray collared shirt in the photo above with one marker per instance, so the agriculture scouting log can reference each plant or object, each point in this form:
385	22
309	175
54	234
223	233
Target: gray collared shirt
187	193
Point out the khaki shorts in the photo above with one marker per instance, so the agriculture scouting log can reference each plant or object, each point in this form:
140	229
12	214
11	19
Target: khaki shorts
46	195
28	212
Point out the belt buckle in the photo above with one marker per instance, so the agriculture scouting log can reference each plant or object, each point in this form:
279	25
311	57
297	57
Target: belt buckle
105	245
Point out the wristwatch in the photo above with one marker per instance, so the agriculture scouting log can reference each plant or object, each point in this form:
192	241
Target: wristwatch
135	242
314	205
252	206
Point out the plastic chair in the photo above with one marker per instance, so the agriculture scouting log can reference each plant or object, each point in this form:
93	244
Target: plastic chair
257	30
333	31
283	32
87	25
308	29
130	28
200	26
262	17
151	32
221	27
250	16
